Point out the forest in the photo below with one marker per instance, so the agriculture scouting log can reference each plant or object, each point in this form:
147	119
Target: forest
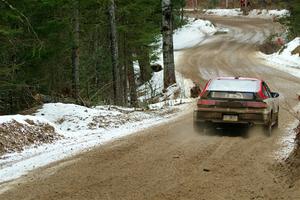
68	50
43	41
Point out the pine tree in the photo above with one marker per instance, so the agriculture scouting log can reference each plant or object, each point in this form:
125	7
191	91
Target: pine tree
38	39
75	50
295	17
115	56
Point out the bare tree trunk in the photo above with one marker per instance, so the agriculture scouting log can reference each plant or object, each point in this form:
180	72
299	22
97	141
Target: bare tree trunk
115	55
144	63
125	85
75	50
124	74
168	51
131	80
182	14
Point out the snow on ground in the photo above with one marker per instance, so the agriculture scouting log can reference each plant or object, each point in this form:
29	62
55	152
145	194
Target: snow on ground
284	60
190	9
153	89
287	142
18	131
269	13
82	128
253	13
194	32
172	102
23	119
224	12
70	117
190	35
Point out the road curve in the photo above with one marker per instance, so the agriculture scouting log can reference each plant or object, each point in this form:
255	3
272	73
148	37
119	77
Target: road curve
172	161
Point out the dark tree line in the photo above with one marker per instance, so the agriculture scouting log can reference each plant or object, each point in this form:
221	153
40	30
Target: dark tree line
76	50
294	7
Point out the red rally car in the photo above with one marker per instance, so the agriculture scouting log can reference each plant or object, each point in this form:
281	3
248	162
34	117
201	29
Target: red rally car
237	100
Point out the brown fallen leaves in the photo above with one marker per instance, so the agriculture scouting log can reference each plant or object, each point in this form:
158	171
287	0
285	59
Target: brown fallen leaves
14	136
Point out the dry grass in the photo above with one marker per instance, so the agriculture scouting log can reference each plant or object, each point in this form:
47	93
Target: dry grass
296	51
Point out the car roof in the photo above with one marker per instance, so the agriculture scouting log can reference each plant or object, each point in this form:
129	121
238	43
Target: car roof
236	78
234	84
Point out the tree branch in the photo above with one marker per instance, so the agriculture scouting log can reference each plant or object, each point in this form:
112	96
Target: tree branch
26	19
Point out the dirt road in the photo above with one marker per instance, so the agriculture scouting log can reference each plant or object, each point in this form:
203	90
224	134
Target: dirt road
172	161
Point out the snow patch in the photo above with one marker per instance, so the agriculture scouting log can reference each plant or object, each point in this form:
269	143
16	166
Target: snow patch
255	13
284	60
287	142
23	119
193	33
224	12
72	122
70	117
188	36
269	13
172	102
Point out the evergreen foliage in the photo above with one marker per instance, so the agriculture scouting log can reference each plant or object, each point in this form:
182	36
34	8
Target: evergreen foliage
295	17
37	37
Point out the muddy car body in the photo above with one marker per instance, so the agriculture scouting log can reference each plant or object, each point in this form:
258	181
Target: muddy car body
237	100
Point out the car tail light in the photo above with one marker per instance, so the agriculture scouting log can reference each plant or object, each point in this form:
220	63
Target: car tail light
256	104
206	102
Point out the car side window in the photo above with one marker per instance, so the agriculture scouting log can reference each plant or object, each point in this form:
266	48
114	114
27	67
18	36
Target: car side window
266	90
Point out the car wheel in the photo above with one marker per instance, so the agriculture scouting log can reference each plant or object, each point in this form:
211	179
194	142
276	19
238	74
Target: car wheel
268	127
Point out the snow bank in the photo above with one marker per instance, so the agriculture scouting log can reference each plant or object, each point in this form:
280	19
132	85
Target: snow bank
23	119
288	141
81	129
253	13
17	132
284	59
193	33
223	12
172	102
269	13
70	117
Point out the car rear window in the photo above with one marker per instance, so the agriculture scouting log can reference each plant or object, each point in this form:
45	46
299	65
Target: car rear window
232	95
234	85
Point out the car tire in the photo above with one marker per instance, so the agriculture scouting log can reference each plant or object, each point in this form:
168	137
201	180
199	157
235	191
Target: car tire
268	127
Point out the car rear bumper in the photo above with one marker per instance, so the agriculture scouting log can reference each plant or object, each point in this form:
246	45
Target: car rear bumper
242	115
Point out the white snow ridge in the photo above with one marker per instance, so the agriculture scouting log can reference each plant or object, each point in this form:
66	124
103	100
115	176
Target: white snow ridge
284	60
81	128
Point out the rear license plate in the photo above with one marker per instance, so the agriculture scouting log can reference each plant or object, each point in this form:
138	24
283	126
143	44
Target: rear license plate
230	118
